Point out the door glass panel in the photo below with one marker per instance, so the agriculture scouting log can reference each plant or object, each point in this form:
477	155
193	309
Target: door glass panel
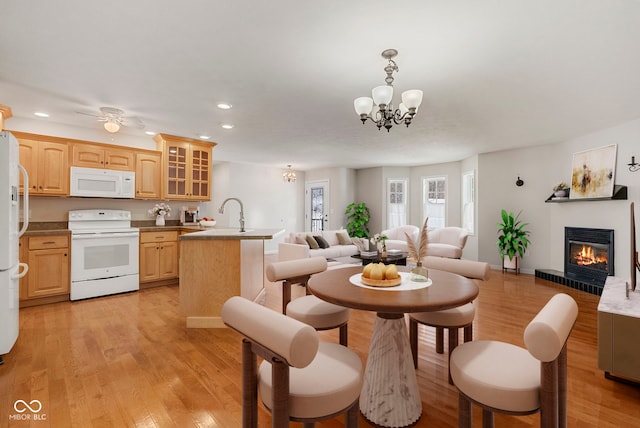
317	211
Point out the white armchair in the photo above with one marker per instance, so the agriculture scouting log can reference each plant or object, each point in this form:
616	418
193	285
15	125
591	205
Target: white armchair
397	238
447	242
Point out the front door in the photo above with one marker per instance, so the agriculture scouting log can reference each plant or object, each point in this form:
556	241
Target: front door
316	205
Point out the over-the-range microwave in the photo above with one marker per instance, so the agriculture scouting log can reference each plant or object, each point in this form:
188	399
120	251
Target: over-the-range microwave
102	183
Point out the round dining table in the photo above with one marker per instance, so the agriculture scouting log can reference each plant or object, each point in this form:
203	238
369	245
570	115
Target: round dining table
390	395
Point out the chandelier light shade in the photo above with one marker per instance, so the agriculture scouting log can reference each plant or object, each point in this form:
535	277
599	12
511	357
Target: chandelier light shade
111	126
379	108
289	175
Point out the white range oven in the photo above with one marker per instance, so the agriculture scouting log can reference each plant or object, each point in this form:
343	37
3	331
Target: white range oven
104	253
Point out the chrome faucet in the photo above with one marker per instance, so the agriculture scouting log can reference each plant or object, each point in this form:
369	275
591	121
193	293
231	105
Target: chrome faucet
221	211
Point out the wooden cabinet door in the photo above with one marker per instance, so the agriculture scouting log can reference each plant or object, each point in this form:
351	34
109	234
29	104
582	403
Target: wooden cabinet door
53	169
29	160
168	263
119	159
148	172
48	272
149	261
186	169
200	177
87	156
177	170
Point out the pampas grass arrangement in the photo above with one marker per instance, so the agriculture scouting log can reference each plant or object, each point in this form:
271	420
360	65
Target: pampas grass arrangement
420	251
419	273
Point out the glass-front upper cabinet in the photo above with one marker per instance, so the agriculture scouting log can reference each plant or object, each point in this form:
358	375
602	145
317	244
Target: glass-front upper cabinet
186	167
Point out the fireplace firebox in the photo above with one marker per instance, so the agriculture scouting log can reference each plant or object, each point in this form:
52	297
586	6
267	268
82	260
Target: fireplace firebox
588	254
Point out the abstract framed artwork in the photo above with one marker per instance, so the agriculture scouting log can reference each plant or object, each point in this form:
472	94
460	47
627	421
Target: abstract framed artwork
593	173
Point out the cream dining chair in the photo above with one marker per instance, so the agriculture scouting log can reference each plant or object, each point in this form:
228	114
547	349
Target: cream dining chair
505	378
300	378
309	309
448	319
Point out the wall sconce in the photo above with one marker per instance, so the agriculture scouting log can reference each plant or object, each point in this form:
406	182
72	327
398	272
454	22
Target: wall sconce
633	166
519	182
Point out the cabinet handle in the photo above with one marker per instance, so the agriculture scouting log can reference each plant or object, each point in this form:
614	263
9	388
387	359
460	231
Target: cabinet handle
48	242
65	254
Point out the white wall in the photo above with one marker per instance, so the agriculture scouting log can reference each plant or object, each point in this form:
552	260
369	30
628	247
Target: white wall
268	201
341	192
370	190
541	168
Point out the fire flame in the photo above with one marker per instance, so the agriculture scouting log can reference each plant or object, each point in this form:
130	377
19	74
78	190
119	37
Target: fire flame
587	256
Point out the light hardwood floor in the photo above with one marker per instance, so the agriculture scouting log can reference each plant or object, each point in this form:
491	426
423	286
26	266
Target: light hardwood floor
128	360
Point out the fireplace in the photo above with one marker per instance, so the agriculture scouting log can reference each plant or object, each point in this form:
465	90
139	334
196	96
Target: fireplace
588	254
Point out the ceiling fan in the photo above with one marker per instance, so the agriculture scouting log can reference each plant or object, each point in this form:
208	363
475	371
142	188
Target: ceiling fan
114	118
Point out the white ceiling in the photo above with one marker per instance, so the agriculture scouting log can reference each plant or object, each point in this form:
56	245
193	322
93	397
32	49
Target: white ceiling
495	73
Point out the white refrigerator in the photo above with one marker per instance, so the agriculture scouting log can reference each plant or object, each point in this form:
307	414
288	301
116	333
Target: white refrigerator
11	270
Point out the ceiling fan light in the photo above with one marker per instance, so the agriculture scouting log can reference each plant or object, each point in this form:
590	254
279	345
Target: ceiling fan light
382	94
363	105
412	98
111	126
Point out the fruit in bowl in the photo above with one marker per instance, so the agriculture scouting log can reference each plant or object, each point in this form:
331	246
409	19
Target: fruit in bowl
207	222
381	275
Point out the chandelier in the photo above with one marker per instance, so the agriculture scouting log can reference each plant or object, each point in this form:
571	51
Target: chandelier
383	114
289	175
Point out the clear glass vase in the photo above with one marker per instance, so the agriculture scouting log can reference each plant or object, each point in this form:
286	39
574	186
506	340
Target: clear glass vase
419	273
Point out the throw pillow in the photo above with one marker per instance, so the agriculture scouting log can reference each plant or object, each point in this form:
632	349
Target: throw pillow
301	239
322	243
343	238
312	242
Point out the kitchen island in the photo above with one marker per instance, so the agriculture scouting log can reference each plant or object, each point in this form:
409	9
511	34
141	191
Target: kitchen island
216	264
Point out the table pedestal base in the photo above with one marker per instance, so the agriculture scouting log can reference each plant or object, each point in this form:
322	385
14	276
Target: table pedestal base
390	395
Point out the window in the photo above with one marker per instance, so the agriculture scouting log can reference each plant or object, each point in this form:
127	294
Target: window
434	201
468	201
396	203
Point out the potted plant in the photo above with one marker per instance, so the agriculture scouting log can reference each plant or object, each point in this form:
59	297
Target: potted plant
512	240
561	190
358	220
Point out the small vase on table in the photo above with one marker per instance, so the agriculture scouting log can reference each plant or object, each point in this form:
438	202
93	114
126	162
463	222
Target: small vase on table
419	273
160	220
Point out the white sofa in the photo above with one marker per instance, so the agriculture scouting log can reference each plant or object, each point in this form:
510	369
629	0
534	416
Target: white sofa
445	242
296	247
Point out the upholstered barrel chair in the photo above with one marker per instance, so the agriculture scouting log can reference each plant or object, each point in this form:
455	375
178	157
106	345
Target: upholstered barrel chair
309	309
325	381
397	240
452	319
501	377
447	242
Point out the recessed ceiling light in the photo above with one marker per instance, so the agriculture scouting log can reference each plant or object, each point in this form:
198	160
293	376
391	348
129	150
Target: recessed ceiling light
227	126
41	114
149	132
224	106
205	137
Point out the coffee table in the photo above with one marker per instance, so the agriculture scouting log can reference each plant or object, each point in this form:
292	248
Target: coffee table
399	259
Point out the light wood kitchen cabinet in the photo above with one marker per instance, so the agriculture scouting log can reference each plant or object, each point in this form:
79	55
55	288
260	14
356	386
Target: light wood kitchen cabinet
47	163
158	256
187	163
48	258
148	175
99	156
